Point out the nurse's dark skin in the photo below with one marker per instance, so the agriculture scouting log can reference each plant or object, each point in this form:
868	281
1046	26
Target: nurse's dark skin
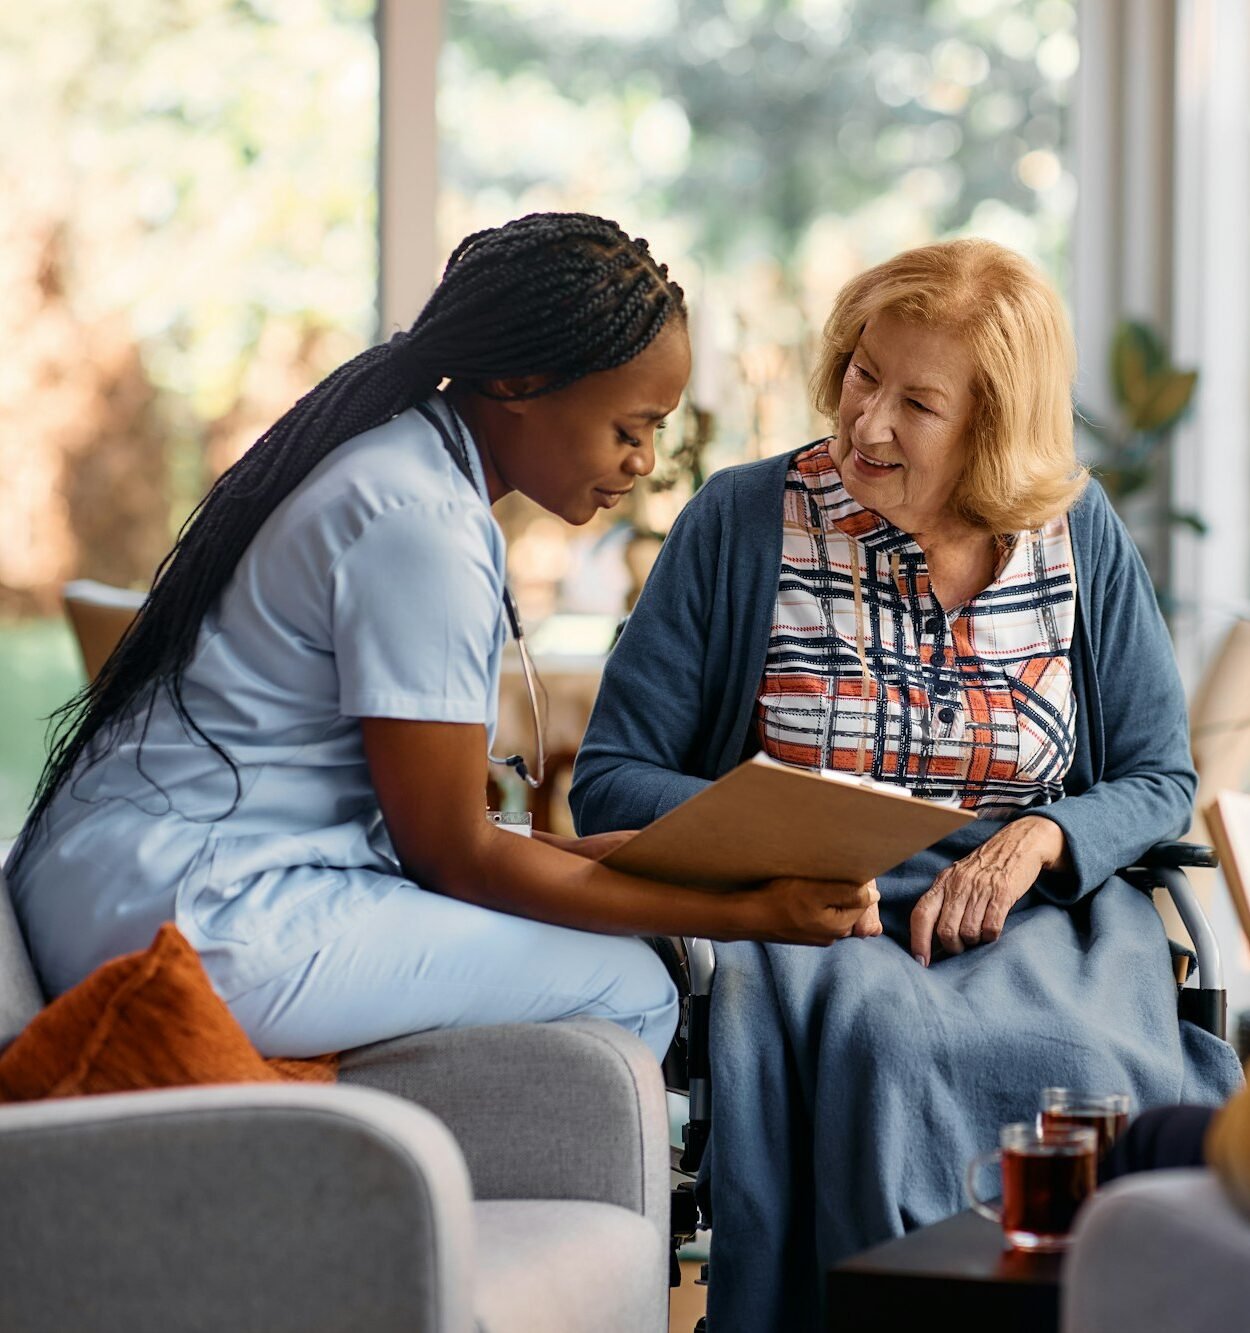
573	452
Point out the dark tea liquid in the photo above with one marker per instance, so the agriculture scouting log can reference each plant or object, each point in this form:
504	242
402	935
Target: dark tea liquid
1108	1125
1041	1192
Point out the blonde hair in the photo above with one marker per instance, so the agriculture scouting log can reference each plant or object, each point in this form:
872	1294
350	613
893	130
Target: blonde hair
1022	468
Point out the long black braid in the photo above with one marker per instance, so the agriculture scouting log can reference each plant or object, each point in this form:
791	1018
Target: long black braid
555	295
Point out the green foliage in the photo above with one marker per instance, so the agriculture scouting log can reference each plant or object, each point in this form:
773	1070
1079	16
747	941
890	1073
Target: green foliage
206	169
212	164
41	669
768	149
1132	455
1151	396
793	110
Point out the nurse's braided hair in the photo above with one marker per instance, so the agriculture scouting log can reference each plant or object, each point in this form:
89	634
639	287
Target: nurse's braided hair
556	295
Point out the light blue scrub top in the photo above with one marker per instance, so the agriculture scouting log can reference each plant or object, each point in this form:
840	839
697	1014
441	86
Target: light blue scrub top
373	590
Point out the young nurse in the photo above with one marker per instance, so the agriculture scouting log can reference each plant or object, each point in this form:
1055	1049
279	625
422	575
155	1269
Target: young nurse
287	754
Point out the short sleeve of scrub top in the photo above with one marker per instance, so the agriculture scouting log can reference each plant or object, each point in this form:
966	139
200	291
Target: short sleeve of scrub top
416	615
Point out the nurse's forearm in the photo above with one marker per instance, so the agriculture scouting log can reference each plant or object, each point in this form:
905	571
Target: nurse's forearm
431	777
529	878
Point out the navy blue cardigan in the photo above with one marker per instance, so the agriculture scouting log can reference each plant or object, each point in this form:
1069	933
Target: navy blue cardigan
677	703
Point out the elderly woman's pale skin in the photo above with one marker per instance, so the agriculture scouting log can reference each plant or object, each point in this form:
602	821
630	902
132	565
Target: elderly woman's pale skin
904	414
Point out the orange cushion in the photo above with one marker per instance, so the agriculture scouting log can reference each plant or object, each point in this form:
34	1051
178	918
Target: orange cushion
146	1020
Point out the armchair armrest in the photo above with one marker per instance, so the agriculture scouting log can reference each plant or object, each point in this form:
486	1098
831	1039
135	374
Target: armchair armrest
570	1110
1156	1252
262	1207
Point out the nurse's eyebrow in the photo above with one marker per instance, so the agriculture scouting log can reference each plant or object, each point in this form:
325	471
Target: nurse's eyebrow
648	414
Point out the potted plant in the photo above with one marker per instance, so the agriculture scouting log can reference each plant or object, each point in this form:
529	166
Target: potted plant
1132	454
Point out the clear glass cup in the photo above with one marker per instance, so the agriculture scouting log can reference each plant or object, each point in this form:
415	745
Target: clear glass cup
1104	1112
1047	1175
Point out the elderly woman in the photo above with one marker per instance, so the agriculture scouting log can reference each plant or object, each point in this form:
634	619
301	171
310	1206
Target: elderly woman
933	596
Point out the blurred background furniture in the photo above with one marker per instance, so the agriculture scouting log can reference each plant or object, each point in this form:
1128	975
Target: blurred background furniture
1156	1253
515	1183
1219	727
1219	722
100	615
1227	819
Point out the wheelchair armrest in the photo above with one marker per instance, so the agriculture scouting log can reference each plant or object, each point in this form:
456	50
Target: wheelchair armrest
1176	855
1207	1003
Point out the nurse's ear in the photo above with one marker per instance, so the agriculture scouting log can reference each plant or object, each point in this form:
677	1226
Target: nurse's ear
513	394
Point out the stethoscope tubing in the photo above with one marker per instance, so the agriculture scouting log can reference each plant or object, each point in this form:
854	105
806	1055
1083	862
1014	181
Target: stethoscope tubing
458	448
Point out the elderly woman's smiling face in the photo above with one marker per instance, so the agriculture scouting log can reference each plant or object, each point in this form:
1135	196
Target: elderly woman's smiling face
903	421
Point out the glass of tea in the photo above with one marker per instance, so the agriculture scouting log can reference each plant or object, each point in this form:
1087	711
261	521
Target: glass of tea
1047	1175
1105	1113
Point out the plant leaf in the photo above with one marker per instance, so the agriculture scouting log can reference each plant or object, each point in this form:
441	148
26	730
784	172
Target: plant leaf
1153	348
1169	397
1194	522
1136	354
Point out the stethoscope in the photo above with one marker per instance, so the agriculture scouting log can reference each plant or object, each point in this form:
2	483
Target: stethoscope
457	446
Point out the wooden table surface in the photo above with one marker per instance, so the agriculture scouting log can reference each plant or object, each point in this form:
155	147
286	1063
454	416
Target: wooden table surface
956	1270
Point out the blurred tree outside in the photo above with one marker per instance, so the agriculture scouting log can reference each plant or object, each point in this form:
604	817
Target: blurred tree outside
188	243
768	150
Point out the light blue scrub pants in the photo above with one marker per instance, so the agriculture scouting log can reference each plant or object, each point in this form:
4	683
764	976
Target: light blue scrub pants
420	961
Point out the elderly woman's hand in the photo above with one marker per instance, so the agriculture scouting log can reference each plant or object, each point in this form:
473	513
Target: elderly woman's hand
868	925
968	902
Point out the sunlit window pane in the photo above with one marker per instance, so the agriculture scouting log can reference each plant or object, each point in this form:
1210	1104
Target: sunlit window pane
187	243
768	149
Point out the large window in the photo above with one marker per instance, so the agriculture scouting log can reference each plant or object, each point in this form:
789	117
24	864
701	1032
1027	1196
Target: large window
187	243
768	149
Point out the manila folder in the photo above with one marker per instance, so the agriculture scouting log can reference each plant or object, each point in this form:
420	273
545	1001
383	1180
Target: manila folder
764	819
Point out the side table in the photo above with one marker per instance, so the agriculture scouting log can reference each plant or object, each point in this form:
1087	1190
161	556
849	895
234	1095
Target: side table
955	1273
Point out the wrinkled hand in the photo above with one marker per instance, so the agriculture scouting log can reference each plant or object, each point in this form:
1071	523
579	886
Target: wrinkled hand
968	902
808	911
869	924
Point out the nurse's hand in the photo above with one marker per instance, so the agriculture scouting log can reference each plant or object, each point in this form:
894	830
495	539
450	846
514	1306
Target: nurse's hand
812	911
593	848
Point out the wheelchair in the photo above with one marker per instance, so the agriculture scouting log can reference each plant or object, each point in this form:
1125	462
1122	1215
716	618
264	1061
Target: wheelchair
1201	998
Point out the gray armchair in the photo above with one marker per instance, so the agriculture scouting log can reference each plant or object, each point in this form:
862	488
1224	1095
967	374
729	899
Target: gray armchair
1156	1253
506	1179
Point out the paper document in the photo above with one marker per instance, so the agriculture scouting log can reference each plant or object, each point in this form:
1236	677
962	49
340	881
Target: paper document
764	819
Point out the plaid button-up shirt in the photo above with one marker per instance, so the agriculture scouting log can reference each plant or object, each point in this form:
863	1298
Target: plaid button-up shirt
868	673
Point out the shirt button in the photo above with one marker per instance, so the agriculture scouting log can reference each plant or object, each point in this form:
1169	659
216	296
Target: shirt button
933	624
942	687
946	715
938	658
